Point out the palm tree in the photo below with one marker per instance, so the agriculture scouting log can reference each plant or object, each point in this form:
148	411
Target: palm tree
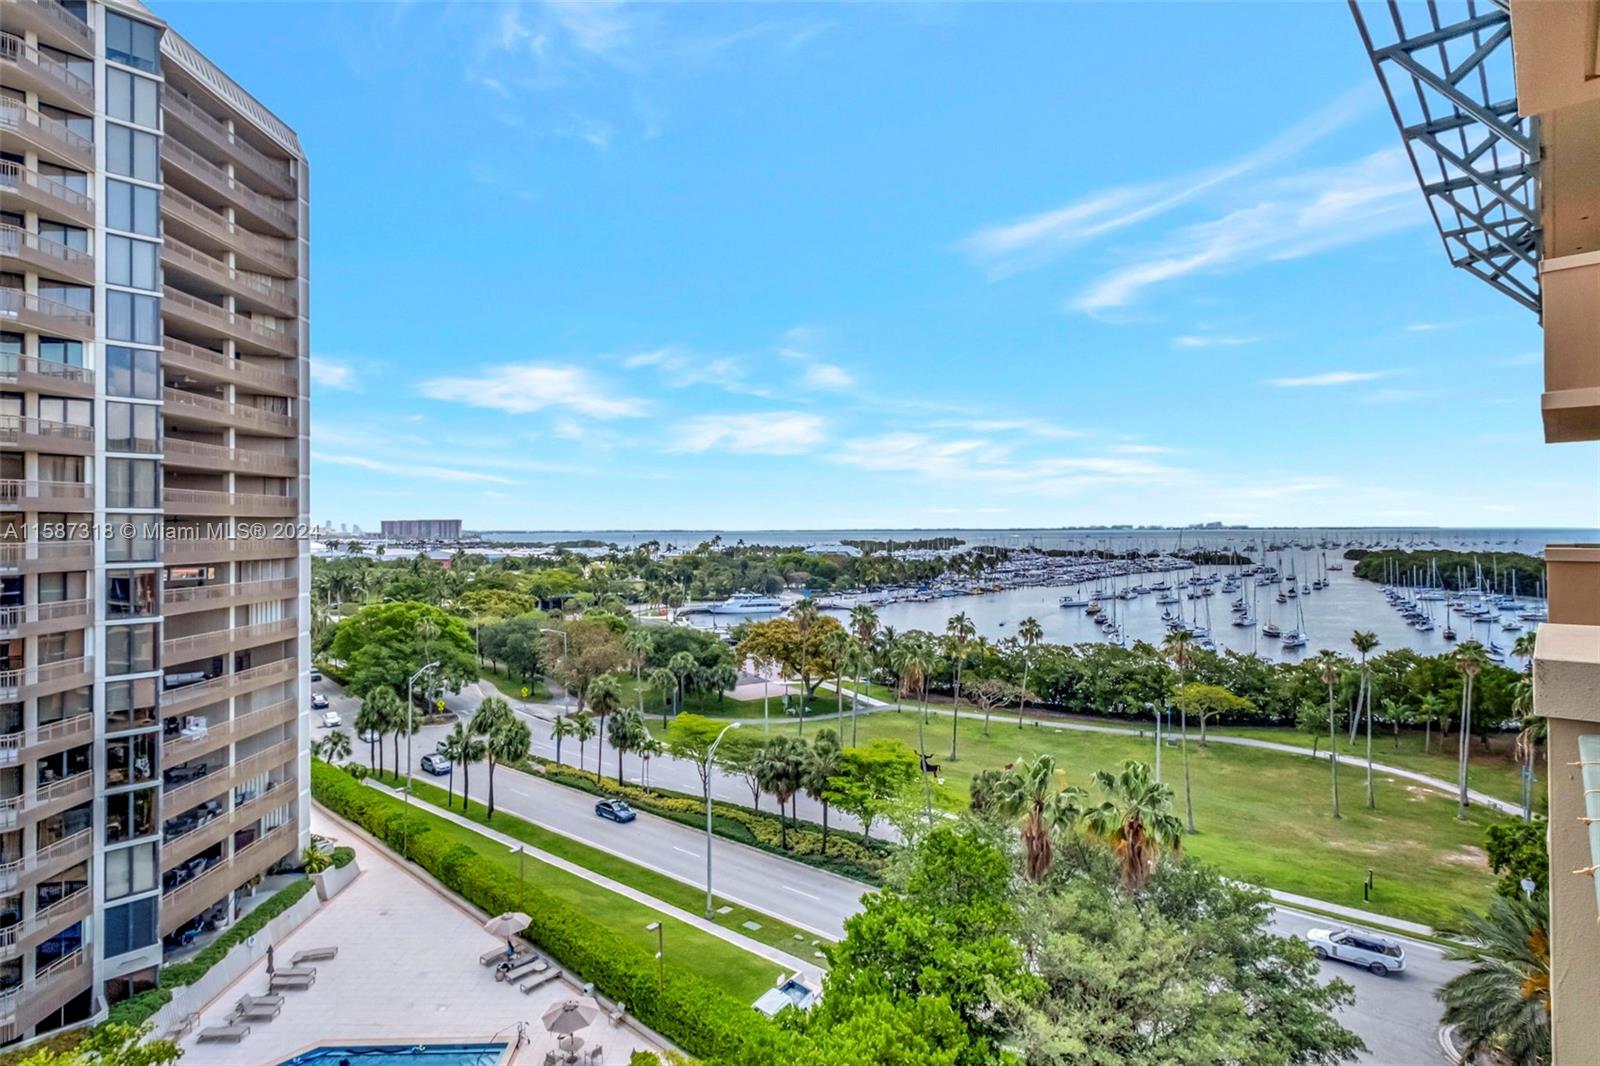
370	723
913	657
1522	648
835	643
335	746
958	632
1030	633
627	733
667	681
1531	734
682	665
1028	791
779	770
605	696
1502	1003
1470	662
1136	819
386	710
649	748
638	644
452	748
864	623
1432	710
562	727
1179	647
583	731
858	660
1364	643
1329	661
491	722
472	750
822	765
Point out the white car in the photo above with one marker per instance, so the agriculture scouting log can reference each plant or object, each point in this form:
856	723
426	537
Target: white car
1379	954
331	720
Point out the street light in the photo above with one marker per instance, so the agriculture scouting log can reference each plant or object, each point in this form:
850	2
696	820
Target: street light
565	651
661	947
1148	708
411	681
711	754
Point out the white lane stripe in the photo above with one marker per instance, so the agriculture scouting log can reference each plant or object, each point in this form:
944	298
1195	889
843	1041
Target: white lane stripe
686	851
797	892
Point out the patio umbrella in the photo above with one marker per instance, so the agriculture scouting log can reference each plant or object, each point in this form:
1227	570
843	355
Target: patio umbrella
568	1016
507	925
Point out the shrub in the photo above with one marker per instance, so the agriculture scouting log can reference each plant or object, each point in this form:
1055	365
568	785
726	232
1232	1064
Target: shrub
686	1009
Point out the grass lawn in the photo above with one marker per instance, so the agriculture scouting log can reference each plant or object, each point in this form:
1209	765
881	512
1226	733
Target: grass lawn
1262	816
512	688
773	932
737	971
714	706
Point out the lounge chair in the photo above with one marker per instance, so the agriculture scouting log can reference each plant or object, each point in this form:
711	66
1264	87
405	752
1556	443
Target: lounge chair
291	984
270	999
218	1033
539	979
295	971
314	955
489	958
619	1013
533	965
254	1012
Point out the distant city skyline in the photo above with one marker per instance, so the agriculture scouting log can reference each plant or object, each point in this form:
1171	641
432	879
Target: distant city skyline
894	266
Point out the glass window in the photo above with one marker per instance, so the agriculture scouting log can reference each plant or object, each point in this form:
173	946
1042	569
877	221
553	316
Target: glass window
134	44
131	593
76	180
133	208
130	262
130	926
80	297
71	236
132	427
131	761
133	372
130	870
129	985
130	649
59	350
131	483
131	98
81	124
131	317
130	704
133	153
143	546
72	412
60	706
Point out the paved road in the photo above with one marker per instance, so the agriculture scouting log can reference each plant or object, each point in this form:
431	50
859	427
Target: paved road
1397	1016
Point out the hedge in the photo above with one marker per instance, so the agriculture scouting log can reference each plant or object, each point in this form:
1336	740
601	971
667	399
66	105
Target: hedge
687	1010
848	854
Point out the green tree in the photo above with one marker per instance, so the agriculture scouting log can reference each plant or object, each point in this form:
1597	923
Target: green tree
871	778
605	697
680	666
384	644
1035	792
1030	633
1501	1005
1364	642
823	763
914	658
795	645
383	707
336	747
1208	701
1328	665
626	733
780	771
689	737
1469	661
1518	851
1136	819
108	1044
489	722
593	648
454	747
583	731
958	634
858	661
638	644
560	729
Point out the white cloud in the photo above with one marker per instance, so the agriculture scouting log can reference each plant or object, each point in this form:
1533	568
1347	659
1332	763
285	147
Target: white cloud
827	376
780	433
524	388
437	473
681	368
1524	359
1036	427
1212	340
593	131
332	374
1331	377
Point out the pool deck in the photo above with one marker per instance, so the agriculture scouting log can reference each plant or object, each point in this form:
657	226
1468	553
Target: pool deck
407	973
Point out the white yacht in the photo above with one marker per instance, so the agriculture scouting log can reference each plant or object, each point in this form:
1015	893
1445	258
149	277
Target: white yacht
747	603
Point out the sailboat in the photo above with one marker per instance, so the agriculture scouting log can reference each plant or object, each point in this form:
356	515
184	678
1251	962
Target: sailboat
1449	634
1296	637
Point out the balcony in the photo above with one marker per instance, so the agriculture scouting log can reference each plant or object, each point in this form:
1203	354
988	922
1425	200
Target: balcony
29	619
183	748
206	365
202	836
26	127
27	68
213	320
178	601
46	739
190	698
229	776
28	188
46	256
224	414
19	873
46	678
218	641
194	896
230	504
50	990
28	310
33	556
46	923
52	22
41	435
267	211
190	455
59	796
273	173
185	551
274	295
46	495
31	374
265	253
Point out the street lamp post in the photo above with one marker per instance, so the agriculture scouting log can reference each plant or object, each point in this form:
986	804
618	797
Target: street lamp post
711	754
661	947
1149	707
566	650
410	729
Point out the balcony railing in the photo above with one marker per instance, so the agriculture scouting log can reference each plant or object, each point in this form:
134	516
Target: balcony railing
18	179
228	594
44	253
14	49
41	312
60	493
232	323
194	895
194	359
220	550
240	504
47	983
14	682
63	911
183	748
197	645
46	132
229	775
65	22
13	744
275	171
62	852
25	431
225	412
184	453
64	554
202	835
267	208
187	698
17	369
276	253
13	619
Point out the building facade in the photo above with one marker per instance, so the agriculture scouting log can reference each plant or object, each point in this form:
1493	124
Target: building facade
154	452
431	529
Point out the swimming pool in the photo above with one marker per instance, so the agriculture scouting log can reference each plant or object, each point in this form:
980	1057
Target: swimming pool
401	1055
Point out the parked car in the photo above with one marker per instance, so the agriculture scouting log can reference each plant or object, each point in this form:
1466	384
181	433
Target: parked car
371	736
1380	954
316	675
436	764
615	809
331	720
319	702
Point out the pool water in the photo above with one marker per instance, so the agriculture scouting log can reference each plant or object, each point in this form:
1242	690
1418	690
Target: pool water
401	1055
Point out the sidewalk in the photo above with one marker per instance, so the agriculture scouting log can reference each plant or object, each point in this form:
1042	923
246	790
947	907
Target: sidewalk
754	947
1379	921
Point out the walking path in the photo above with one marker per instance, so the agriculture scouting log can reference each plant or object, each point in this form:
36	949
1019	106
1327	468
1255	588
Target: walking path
754	947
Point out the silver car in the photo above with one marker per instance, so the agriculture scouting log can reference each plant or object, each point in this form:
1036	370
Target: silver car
1380	954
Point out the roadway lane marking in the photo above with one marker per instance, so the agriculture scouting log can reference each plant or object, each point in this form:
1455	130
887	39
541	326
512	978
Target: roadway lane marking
686	851
797	892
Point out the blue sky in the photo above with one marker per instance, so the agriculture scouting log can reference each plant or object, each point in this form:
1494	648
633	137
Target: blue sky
767	266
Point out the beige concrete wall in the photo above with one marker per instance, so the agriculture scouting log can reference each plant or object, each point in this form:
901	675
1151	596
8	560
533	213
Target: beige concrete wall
1574	931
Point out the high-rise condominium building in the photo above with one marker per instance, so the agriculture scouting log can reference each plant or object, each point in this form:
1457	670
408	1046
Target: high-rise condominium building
153	479
433	529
